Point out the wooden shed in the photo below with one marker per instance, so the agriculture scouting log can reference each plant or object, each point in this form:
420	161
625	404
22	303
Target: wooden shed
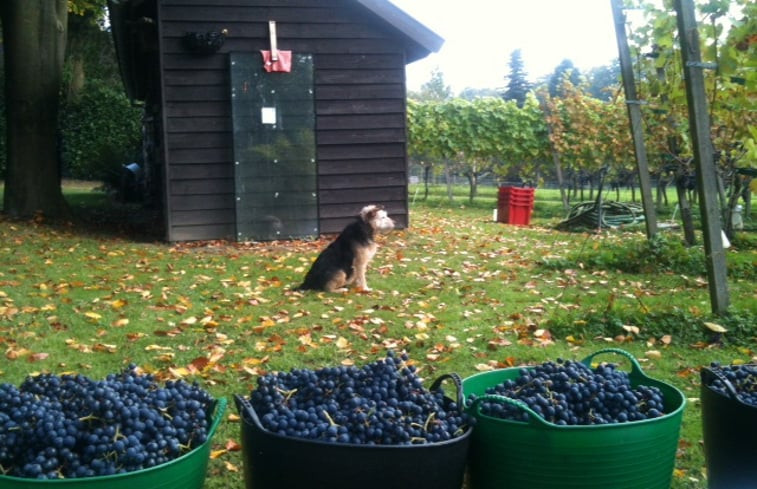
233	151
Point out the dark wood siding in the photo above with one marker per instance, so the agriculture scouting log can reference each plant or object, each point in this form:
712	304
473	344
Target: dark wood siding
359	102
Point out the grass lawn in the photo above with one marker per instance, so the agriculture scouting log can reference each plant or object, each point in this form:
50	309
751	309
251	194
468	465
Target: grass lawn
458	292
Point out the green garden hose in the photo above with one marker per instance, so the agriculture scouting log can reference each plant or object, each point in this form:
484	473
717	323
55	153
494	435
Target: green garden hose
614	214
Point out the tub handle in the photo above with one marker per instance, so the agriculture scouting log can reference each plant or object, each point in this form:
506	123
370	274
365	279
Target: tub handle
533	416
220	408
635	367
246	410
457	380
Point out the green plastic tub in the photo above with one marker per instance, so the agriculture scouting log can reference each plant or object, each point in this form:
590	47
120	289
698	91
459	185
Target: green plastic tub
538	454
185	472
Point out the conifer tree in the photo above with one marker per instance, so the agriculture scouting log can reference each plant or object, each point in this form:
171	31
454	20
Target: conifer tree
517	84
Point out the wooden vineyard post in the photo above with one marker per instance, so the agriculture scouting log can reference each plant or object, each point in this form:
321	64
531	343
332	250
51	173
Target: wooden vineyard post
703	155
634	114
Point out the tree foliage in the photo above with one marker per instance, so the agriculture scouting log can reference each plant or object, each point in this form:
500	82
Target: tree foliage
100	131
479	137
726	29
604	81
434	89
589	134
518	85
565	70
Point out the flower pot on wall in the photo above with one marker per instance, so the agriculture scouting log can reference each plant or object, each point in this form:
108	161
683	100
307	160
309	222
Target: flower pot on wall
204	42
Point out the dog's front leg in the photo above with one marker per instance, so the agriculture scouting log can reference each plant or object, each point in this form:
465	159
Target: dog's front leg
361	266
358	273
362	284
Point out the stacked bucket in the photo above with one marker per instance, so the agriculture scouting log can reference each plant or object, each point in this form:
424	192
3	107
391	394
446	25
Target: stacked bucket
515	205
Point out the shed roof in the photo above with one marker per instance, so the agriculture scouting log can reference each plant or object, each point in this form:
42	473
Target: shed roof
425	40
418	40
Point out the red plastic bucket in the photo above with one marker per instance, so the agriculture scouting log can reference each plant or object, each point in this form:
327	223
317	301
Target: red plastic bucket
515	205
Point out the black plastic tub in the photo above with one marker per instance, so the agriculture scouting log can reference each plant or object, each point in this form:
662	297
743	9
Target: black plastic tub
273	461
729	429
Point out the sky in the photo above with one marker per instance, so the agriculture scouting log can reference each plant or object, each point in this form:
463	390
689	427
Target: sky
480	35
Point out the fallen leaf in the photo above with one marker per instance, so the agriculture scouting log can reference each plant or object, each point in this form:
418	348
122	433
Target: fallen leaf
217	453
631	329
715	327
35	357
179	372
483	367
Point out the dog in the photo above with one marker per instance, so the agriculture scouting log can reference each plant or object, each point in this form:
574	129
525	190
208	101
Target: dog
345	260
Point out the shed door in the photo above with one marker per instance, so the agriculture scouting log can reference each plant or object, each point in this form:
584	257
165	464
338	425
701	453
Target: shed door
274	149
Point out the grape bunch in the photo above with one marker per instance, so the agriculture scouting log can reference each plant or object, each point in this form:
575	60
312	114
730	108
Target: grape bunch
743	378
70	426
381	403
570	393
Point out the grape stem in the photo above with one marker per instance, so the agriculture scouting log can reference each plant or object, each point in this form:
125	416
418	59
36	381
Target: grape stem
118	435
329	418
286	393
428	421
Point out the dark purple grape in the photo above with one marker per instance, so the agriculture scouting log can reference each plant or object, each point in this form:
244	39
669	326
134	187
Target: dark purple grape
570	393
743	378
71	426
381	403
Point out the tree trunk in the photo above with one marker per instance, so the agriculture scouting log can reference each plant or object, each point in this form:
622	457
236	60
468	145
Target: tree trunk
662	191
473	186
687	220
34	38
747	196
426	175
448	177
556	162
733	199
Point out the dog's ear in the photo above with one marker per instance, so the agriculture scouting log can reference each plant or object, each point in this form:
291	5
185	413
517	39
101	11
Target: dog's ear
369	212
